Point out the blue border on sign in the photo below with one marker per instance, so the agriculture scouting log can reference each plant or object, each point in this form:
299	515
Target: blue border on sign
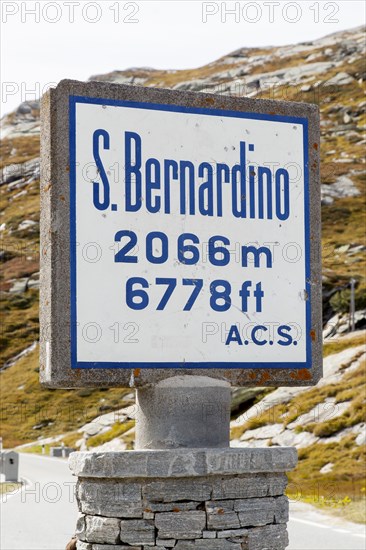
75	364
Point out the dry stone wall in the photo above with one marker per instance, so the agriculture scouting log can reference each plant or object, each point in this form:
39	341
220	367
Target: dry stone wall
200	499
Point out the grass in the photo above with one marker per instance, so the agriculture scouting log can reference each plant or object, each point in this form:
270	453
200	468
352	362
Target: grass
352	387
9	487
340	344
118	429
37	449
349	210
29	411
288	62
345	507
347	478
18	311
22	324
166	79
351	510
71	439
129	440
25	147
340	268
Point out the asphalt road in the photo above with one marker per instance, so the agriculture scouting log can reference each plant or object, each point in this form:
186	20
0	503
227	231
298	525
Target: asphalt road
310	529
43	515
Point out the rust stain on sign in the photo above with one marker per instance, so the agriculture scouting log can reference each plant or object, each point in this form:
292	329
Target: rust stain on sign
302	374
265	376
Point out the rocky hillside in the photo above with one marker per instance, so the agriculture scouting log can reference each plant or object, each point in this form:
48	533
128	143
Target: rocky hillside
330	72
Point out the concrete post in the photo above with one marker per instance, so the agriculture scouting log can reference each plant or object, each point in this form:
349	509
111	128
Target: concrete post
183	412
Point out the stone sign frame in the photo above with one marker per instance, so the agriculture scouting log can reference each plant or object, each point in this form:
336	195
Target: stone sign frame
55	353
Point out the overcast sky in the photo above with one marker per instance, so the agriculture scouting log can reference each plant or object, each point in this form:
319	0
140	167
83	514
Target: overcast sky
44	42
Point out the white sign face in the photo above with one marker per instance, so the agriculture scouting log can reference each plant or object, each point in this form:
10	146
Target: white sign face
189	237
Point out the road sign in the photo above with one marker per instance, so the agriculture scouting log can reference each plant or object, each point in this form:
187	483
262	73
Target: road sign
180	232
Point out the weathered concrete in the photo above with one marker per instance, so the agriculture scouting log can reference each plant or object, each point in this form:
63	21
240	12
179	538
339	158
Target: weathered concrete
183	412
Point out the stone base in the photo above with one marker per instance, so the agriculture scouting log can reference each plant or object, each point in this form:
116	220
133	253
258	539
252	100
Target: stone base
201	499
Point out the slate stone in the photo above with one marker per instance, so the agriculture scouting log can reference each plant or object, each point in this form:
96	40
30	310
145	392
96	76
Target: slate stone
262	511
270	537
233	533
209	534
180	525
168	506
243	511
137	531
80	527
209	545
102	530
222	505
111	499
174	490
281	510
167	543
259	485
224	520
113	547
221	515
182	462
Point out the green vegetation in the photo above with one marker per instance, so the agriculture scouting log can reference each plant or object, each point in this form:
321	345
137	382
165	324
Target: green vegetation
118	429
343	506
168	79
27	148
37	449
336	345
9	488
71	439
346	478
21	327
340	301
29	411
352	388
